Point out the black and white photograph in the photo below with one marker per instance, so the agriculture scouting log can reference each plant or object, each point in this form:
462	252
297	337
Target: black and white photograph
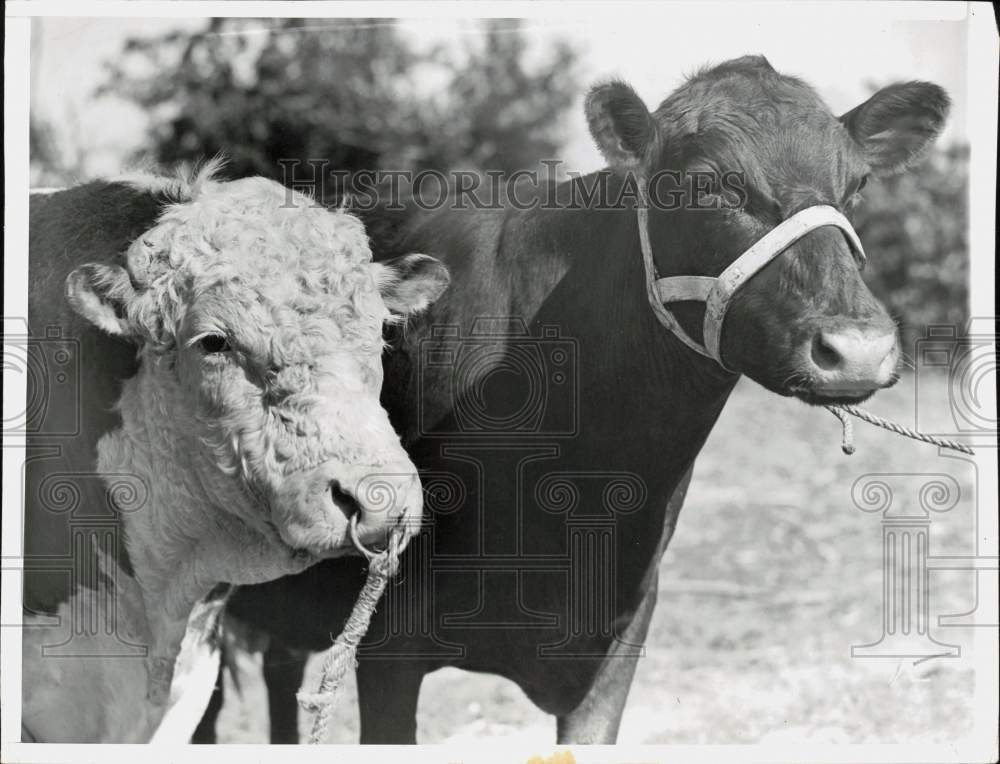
532	382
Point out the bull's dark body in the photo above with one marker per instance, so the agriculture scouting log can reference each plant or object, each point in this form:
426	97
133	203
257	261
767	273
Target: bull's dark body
94	222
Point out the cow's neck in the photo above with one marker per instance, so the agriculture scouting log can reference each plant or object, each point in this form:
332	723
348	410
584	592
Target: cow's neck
598	295
649	400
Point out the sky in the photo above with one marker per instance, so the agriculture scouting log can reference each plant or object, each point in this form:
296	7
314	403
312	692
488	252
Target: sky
840	49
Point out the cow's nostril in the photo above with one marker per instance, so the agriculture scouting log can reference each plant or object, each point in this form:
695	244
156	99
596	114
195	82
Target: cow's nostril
824	354
343	500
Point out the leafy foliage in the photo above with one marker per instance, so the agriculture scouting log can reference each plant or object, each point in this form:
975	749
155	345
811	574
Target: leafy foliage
53	162
354	92
915	229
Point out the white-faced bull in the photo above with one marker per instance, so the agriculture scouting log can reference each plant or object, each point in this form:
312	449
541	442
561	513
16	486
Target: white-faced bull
250	433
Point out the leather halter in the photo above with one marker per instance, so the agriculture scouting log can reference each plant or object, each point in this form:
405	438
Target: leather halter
718	292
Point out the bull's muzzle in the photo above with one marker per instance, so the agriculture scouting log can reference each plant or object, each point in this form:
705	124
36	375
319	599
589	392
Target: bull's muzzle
320	507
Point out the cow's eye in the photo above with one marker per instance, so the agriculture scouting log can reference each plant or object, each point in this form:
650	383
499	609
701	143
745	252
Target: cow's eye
855	196
214	343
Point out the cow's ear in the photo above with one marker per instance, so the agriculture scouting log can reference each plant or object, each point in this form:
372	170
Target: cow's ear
897	124
100	293
409	284
622	126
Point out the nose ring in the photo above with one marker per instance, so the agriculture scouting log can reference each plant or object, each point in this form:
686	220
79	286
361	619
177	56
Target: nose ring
397	541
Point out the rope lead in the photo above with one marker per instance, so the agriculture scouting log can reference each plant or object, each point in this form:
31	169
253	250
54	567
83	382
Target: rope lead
341	657
847	443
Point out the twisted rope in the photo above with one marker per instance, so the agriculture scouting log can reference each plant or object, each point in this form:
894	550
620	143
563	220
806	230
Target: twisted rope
341	657
847	442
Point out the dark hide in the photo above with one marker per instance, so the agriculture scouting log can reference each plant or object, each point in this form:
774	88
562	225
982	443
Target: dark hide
95	222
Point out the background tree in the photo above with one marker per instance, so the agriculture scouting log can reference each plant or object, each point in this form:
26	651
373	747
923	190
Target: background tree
353	92
915	229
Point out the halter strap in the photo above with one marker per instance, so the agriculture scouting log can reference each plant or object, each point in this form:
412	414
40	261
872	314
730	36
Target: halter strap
717	293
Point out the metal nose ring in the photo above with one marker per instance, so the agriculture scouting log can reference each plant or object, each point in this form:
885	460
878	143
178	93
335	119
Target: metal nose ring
397	542
352	527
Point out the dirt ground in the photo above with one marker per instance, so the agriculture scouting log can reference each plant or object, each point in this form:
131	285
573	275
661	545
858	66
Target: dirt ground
773	574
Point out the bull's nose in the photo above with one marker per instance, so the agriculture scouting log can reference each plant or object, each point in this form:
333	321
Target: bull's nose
343	499
852	360
387	501
313	509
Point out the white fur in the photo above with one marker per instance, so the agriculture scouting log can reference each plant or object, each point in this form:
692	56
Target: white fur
236	449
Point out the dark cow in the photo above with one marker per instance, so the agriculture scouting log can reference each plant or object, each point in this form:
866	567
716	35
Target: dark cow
542	564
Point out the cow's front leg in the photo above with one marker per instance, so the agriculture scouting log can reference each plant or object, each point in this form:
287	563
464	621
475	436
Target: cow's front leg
387	697
283	672
596	720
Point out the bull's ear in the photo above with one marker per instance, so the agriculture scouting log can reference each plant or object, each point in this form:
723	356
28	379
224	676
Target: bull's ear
100	293
409	284
897	124
622	126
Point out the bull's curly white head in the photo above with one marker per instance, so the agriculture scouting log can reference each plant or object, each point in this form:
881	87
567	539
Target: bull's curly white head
259	318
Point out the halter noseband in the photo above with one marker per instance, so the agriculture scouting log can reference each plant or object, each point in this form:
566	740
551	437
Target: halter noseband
717	293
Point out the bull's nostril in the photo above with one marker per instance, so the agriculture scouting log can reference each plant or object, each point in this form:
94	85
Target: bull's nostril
343	500
824	354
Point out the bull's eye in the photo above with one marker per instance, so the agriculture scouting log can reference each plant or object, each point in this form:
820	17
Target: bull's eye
214	343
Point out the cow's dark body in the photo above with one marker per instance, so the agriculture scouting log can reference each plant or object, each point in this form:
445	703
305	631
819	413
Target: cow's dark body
94	222
497	602
484	590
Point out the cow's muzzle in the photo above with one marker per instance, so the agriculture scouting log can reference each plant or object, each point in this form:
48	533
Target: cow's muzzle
847	364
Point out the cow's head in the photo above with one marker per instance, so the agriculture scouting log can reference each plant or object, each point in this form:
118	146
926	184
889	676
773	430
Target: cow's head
259	319
755	147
